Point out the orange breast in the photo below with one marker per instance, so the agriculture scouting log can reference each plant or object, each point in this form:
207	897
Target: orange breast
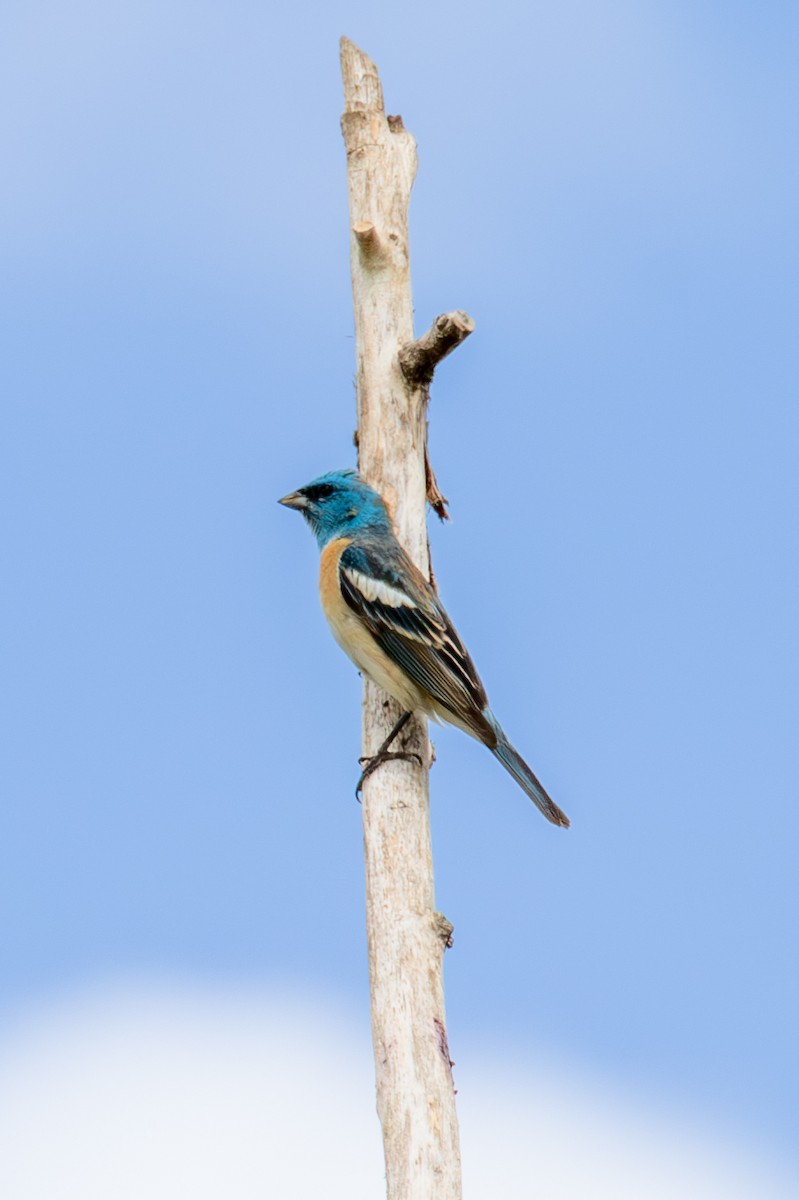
329	586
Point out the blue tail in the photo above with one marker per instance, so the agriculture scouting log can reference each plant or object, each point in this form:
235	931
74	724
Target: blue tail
515	765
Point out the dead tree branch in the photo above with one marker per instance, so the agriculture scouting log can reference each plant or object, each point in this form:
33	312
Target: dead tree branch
406	936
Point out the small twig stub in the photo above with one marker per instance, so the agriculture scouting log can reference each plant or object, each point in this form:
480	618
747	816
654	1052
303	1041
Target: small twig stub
419	359
435	497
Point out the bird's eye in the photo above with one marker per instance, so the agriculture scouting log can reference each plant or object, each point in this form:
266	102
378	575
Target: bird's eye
319	491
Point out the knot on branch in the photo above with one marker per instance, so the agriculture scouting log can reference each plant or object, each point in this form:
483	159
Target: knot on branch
443	1044
373	252
444	930
418	360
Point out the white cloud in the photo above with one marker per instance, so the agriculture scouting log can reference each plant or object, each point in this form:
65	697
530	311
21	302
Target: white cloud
164	1092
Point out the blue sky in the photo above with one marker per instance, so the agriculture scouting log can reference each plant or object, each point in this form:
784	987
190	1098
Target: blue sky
610	190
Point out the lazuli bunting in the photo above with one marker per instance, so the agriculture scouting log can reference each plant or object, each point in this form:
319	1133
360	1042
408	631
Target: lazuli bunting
386	616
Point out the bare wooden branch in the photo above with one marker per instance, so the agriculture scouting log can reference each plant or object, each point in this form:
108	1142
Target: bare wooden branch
419	359
415	1094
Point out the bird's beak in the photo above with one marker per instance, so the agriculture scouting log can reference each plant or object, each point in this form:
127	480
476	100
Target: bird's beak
294	500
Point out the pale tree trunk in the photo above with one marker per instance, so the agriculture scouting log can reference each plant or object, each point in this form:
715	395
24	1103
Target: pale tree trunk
406	936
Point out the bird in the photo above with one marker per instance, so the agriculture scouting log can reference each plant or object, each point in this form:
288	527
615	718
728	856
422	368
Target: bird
389	620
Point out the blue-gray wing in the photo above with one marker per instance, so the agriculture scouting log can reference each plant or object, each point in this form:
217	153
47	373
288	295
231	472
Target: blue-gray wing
405	617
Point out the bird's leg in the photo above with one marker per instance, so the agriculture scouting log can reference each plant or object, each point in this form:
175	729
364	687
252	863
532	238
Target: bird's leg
395	732
370	762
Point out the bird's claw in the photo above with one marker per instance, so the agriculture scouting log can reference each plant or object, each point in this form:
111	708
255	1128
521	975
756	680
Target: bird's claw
371	762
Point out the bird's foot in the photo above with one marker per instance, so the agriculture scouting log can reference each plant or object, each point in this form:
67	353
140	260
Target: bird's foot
371	763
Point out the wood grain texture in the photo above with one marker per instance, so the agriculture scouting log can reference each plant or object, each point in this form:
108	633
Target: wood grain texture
415	1094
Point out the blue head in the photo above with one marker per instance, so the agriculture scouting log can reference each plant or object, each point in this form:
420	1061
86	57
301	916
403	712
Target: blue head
339	504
